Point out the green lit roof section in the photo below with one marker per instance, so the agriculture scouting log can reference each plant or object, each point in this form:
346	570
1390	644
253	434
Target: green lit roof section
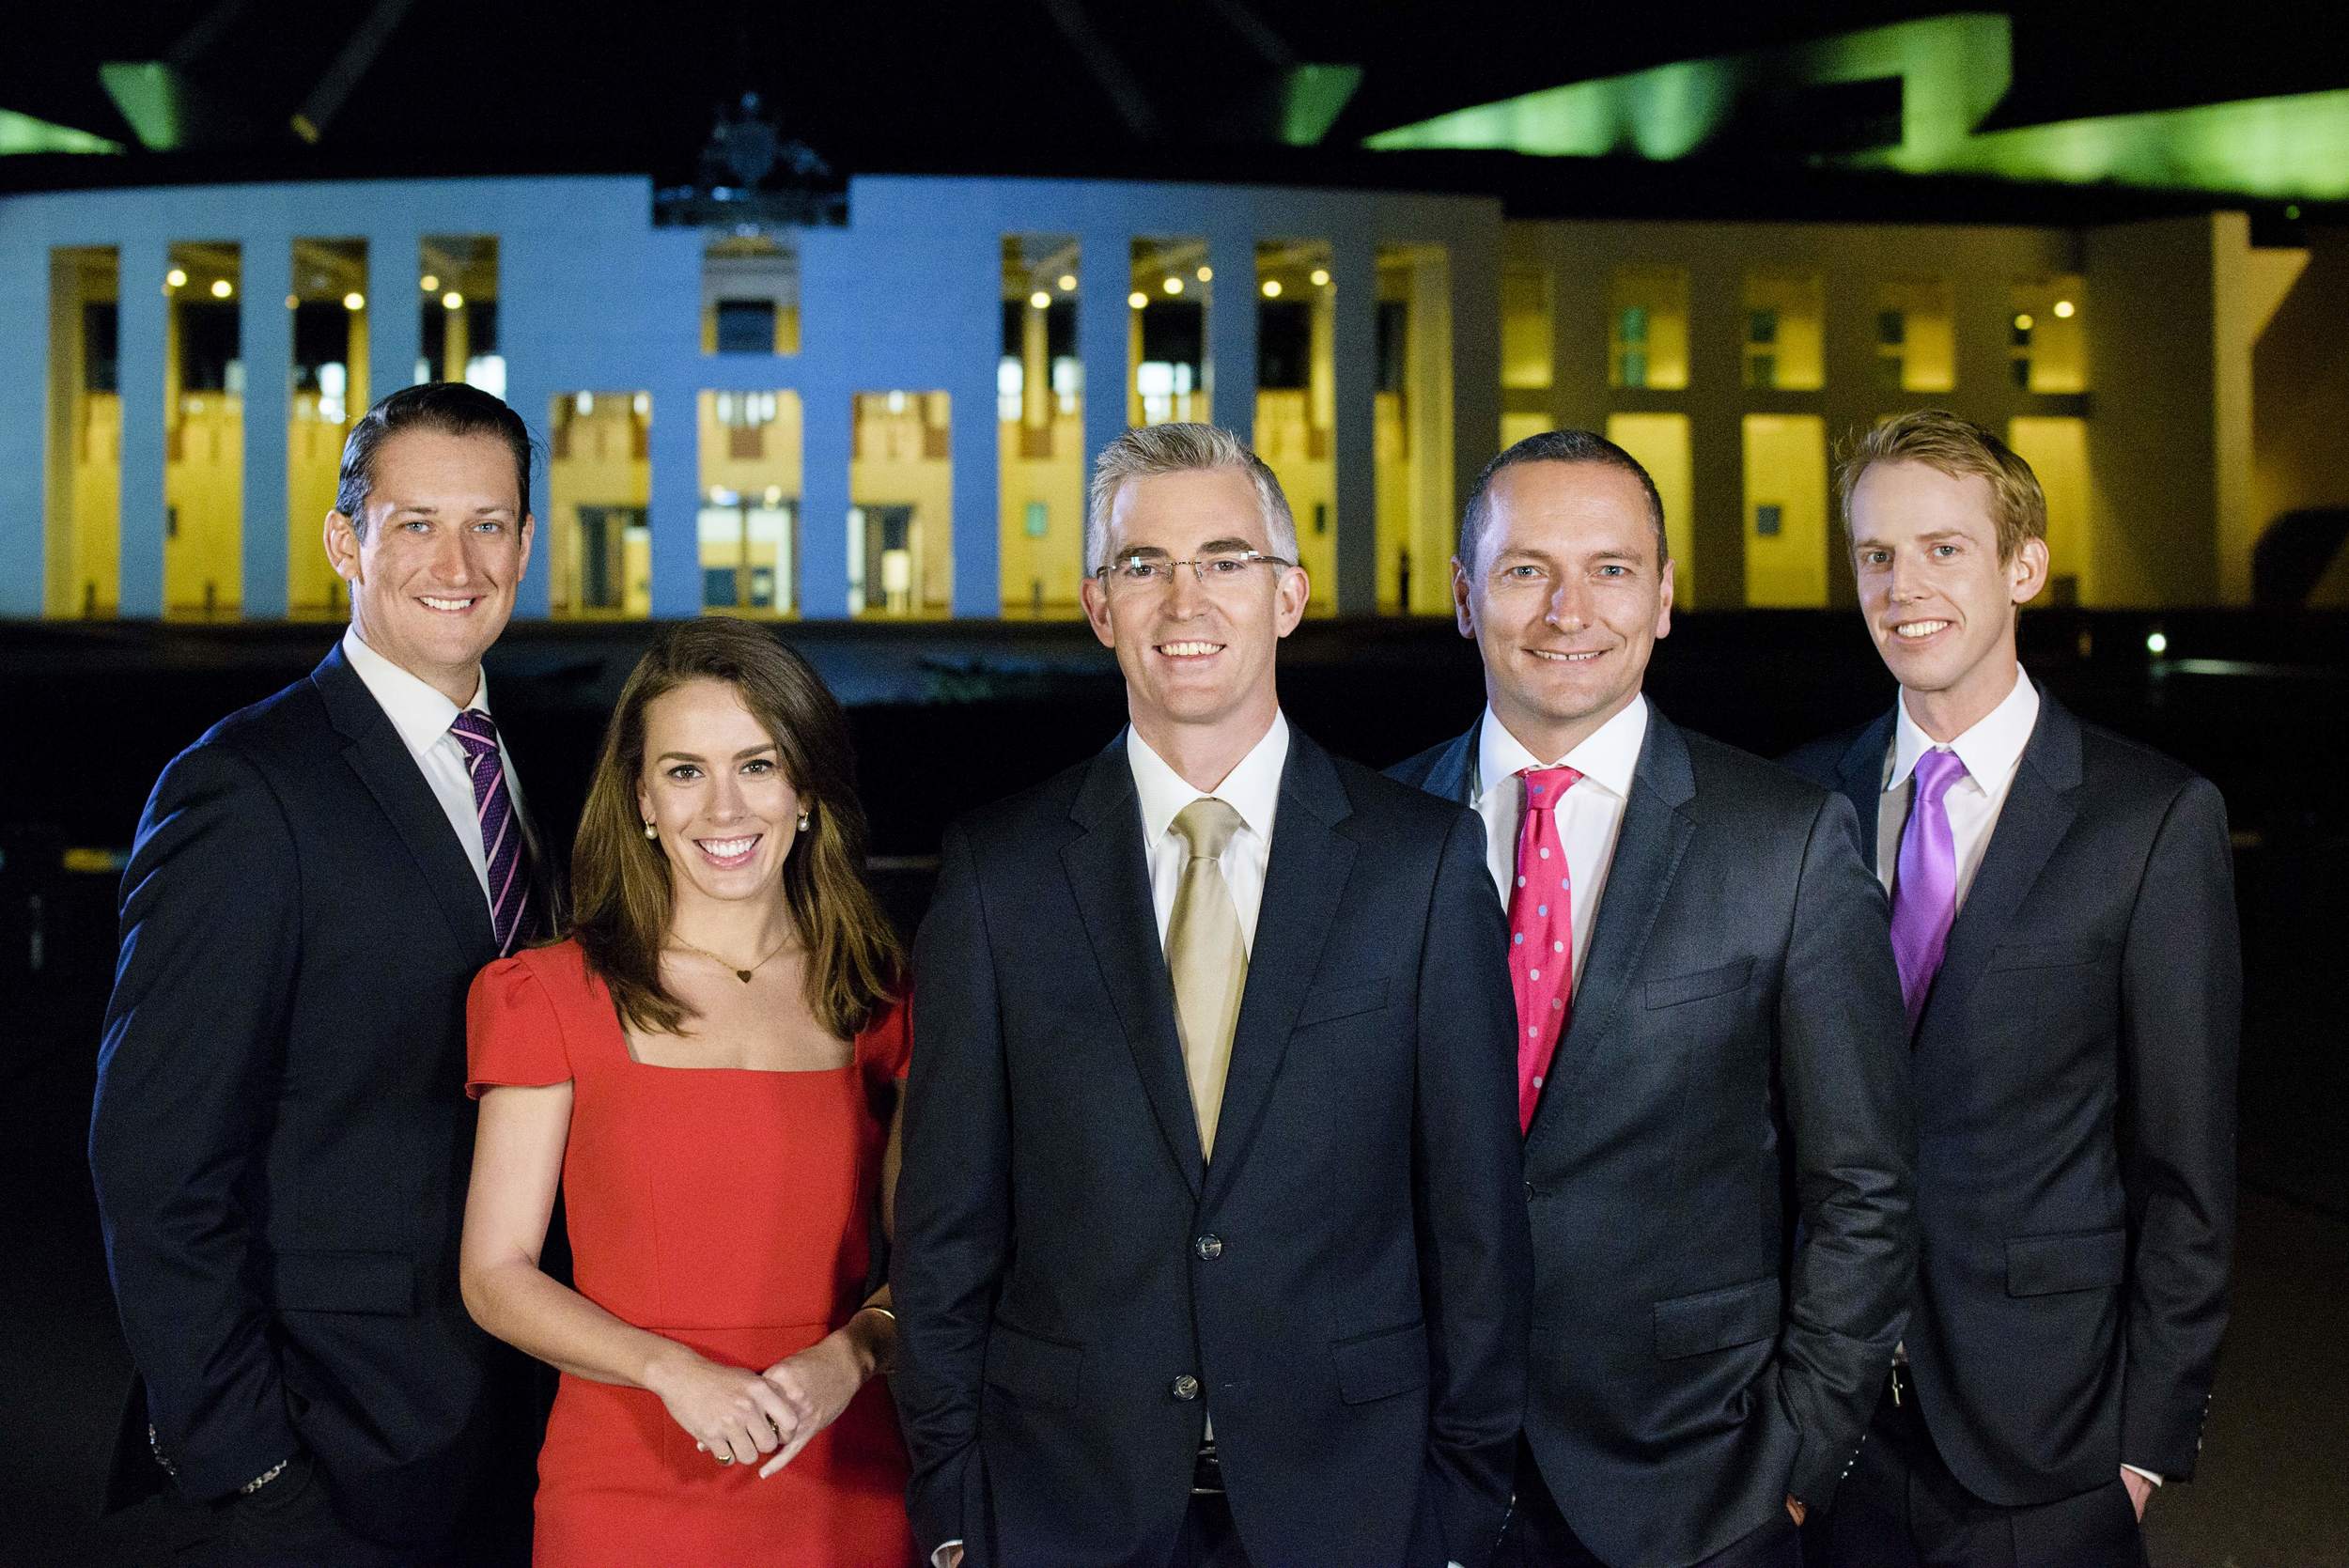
1952	69
2294	147
23	134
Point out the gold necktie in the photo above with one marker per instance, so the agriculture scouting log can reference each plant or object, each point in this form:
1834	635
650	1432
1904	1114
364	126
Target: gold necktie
1205	959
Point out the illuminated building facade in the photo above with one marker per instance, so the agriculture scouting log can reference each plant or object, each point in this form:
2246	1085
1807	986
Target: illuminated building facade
892	417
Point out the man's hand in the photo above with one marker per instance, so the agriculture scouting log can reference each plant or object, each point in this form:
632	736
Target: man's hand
2141	1491
1796	1510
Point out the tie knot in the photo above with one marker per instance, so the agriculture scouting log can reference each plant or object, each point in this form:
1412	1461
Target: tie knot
1207	825
1544	786
477	732
1936	772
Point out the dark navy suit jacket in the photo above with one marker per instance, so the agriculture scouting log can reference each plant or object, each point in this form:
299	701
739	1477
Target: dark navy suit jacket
1343	1287
2076	1098
281	1137
1736	1062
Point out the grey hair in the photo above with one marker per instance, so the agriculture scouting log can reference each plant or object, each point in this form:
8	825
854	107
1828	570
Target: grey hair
1153	449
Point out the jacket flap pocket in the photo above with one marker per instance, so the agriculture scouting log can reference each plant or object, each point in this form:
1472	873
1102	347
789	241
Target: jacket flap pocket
2050	955
1674	990
344	1281
1717	1319
1380	1365
1037	1372
1338	1002
2082	1260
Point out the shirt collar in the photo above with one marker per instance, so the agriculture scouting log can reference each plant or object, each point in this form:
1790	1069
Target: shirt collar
1608	756
1991	750
417	709
1252	788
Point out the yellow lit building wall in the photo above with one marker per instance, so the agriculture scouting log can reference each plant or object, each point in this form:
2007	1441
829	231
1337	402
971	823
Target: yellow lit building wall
600	460
902	457
204	495
1039	421
1926	354
1794	359
2056	446
82	488
1786	502
1411	450
314	455
1526	329
1652	302
1042	571
2048	312
1299	423
1660	442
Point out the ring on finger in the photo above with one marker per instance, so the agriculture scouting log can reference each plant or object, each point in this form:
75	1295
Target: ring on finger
724	1457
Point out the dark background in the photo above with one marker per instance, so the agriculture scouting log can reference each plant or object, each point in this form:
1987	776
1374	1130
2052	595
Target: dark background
948	716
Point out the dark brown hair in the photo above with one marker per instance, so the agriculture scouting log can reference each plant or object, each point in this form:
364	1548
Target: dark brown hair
620	879
451	408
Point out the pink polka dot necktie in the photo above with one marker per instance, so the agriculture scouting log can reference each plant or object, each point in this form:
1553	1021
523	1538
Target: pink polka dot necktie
1541	933
501	835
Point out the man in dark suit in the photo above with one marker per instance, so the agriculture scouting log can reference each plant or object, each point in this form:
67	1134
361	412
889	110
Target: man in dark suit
1209	1246
1709	1026
281	1136
2063	919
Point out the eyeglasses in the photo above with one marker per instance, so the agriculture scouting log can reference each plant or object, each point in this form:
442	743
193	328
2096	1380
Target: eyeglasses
1223	569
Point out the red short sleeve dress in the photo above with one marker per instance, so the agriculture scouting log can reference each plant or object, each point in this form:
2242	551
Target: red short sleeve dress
726	1209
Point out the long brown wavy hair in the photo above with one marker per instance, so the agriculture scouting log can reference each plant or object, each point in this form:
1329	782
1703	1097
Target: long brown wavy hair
620	879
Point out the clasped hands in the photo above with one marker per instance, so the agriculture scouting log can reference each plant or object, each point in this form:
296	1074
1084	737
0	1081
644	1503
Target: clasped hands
735	1414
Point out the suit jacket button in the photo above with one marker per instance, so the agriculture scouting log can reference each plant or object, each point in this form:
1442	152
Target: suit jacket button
1209	1246
1186	1386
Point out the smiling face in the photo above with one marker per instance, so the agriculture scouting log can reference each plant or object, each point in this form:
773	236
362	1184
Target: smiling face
1195	656
1940	604
434	563
1566	598
714	789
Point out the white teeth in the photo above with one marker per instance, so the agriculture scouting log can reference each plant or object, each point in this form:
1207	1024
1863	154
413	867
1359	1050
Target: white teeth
726	848
446	603
1188	650
1918	629
1563	658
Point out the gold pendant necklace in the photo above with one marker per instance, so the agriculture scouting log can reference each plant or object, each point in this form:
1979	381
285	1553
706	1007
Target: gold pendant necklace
741	974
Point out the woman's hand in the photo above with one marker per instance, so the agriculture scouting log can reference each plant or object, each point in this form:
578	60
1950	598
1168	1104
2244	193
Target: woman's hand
732	1413
816	1385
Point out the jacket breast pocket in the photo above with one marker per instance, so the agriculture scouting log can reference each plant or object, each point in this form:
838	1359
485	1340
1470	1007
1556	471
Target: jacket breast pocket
1717	1319
1381	1365
2050	955
1033	1370
330	1281
1326	1003
1672	990
2050	1265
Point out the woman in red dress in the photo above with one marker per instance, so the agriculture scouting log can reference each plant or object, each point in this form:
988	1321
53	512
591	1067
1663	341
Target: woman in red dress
710	1065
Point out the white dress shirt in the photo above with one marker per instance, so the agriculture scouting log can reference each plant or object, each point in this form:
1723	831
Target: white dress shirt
1590	816
423	715
1252	788
1991	751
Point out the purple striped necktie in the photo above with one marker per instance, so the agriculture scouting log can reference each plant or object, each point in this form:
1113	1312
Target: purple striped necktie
501	835
1925	884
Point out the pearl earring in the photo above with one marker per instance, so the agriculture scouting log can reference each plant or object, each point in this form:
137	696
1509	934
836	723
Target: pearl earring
803	821
650	832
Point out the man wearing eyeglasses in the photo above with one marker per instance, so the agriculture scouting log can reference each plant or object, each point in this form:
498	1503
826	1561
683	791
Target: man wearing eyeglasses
1210	1244
1709	1025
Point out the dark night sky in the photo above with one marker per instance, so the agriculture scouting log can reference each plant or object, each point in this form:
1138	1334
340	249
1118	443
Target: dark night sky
993	86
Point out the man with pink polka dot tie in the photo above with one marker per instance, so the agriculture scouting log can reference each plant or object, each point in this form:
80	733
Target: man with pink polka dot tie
1707	1006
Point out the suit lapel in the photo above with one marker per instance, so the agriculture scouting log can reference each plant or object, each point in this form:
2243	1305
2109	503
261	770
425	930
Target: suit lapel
1110	876
1654	835
1859	775
1305	880
2037	813
374	752
1453	775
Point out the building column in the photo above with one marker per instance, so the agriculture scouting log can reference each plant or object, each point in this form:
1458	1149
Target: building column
141	373
673	514
825	449
265	339
1354	372
395	313
1232	331
31	545
1105	275
1717	434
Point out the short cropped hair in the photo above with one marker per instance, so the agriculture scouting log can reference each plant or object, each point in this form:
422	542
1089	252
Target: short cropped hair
1951	445
1148	450
1558	446
450	408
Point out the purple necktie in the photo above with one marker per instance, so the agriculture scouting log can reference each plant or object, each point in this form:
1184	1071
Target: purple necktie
501	836
1925	886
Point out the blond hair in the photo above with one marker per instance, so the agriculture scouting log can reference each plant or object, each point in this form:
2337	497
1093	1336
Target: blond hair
1954	445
